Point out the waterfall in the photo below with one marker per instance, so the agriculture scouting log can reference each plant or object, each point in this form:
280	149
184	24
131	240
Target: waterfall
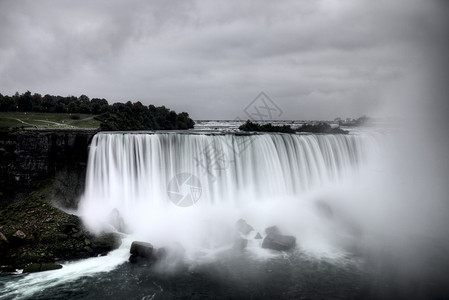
176	184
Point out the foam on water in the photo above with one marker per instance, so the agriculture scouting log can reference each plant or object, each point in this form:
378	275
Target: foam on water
29	284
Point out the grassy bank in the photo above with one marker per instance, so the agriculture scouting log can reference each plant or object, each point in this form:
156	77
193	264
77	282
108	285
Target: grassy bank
47	120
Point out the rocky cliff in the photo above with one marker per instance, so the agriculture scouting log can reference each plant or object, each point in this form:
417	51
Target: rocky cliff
30	158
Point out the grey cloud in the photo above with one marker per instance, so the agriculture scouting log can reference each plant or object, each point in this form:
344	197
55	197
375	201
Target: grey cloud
212	58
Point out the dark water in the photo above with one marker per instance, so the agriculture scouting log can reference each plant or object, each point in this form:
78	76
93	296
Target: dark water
241	276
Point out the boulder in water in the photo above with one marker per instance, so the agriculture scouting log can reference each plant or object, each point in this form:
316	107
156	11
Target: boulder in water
272	230
276	241
173	253
243	227
105	242
279	242
142	251
117	221
258	236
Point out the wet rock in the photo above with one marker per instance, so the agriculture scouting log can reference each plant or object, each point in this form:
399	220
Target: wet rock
142	251
32	268
172	253
19	234
169	257
105	242
279	242
53	237
258	236
117	221
18	238
160	253
69	228
272	230
78	234
39	241
243	227
240	244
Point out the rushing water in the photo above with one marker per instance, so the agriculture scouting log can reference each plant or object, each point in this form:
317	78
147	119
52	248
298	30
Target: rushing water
190	189
256	177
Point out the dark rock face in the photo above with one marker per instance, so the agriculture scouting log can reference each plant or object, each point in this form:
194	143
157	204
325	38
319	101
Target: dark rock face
279	242
27	158
243	227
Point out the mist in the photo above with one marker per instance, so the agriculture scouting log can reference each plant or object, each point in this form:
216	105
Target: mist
375	199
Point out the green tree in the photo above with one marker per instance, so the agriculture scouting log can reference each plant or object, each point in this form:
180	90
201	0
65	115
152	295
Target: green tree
25	102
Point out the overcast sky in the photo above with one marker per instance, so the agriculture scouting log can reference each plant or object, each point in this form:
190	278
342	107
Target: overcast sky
315	59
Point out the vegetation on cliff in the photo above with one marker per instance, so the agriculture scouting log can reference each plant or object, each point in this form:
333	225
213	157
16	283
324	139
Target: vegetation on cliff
34	235
320	128
316	128
250	126
25	120
118	116
136	116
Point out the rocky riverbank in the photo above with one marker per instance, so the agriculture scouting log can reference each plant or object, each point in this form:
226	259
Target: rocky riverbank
34	235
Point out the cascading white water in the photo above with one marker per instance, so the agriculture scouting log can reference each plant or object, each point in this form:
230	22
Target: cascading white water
268	179
262	178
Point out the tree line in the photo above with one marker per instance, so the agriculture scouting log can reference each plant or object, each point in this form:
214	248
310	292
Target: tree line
321	127
118	116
